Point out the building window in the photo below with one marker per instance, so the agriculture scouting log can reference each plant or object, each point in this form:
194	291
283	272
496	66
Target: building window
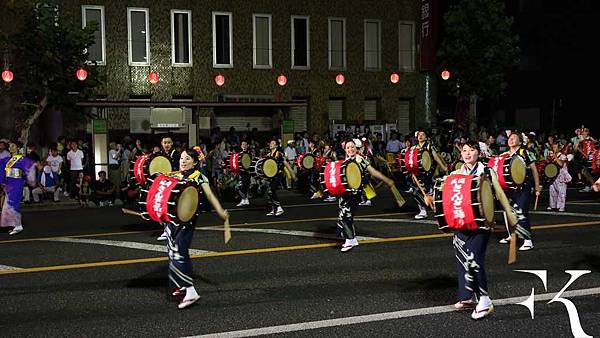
95	14
337	43
181	37
138	35
370	109
261	26
222	40
300	42
406	54
372	44
336	109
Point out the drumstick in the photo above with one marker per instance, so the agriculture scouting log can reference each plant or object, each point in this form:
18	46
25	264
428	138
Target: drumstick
425	195
399	199
226	231
512	251
537	196
131	212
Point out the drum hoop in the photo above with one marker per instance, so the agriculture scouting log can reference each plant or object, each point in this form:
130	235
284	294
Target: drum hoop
245	161
485	184
425	154
353	182
264	166
158	163
514	169
551	165
309	157
187	203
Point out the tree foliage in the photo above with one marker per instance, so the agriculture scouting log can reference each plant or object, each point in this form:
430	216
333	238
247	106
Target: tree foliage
479	48
44	50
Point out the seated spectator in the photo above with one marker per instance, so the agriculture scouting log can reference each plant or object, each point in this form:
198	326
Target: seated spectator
103	191
85	191
47	182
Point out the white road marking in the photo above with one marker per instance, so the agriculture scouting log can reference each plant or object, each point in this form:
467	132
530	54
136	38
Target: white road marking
121	244
564	213
396	220
584	202
385	316
311	234
8	267
286	206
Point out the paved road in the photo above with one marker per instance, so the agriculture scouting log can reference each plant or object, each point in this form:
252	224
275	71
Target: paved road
97	273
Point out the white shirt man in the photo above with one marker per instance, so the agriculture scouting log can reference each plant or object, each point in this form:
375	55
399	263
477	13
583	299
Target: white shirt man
55	161
75	158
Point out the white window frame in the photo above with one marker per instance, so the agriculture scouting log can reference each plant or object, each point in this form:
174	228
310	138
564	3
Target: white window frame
413	48
307	18
129	48
378	22
189	13
329	41
214	38
102	30
254	65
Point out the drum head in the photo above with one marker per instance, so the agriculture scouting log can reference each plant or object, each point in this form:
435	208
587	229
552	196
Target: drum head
187	204
353	175
270	168
426	160
308	162
486	198
551	170
246	161
159	164
518	170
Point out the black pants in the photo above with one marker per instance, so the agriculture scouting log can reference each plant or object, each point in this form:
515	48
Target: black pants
521	198
244	185
348	204
272	198
469	249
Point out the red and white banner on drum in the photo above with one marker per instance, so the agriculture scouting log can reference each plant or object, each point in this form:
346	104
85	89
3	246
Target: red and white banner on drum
456	199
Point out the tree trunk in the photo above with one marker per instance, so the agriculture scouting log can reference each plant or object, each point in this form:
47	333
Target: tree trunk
473	116
24	132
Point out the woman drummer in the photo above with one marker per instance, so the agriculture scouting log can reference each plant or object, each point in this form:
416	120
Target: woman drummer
348	204
470	245
275	182
426	178
522	196
179	237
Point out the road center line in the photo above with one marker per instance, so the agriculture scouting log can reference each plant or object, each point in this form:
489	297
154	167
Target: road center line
564	213
122	244
384	316
311	234
259	250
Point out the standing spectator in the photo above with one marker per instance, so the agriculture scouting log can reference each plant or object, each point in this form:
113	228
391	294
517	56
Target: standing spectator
61	145
47	182
4	149
501	140
32	152
290	156
125	162
75	159
379	146
55	161
114	163
394	145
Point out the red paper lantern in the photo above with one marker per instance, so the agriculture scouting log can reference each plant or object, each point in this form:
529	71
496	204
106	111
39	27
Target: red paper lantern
153	77
81	74
395	78
282	80
445	74
7	76
220	80
340	79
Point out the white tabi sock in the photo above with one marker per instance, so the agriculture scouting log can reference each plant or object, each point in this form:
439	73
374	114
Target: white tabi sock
190	293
